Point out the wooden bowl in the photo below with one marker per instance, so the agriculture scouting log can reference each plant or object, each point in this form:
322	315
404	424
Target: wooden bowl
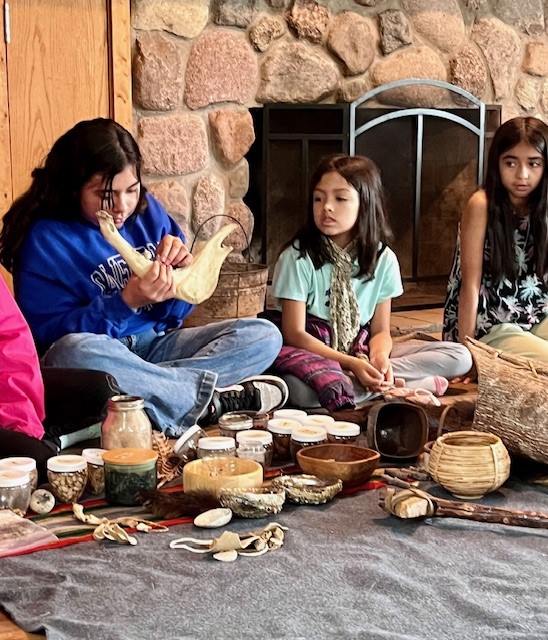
469	464
246	473
348	462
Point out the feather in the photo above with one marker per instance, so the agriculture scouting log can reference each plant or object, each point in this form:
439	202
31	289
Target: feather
178	504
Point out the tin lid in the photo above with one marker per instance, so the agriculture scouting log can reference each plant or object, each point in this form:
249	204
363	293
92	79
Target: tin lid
319	420
343	429
67	463
309	434
18	462
129	456
254	436
212	443
283	426
290	414
234	421
13	478
94	456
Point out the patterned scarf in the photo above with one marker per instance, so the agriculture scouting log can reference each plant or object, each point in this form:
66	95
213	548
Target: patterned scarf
344	313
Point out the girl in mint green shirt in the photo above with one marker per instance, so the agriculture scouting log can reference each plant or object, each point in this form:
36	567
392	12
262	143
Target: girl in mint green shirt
339	269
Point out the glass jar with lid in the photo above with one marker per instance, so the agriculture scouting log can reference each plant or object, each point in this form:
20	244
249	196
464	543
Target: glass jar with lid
281	429
21	463
14	490
342	432
186	446
126	424
256	445
233	422
306	437
218	454
317	420
260	419
127	472
67	475
96	470
289	414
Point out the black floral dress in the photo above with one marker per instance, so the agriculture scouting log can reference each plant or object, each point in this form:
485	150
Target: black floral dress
523	301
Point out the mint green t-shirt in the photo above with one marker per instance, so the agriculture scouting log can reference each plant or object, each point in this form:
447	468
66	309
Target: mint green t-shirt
296	279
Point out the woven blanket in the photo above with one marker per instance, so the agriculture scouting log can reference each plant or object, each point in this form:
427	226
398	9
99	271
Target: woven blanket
68	530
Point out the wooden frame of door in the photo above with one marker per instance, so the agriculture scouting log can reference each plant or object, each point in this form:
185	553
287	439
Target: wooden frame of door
120	107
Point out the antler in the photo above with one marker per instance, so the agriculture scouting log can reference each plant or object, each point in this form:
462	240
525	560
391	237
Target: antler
194	283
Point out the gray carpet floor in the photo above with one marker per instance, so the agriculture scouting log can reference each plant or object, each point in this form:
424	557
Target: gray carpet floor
346	570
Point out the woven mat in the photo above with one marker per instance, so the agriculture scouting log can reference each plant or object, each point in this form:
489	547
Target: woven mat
62	523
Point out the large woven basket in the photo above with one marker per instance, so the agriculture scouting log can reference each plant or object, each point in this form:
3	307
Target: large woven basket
469	464
512	400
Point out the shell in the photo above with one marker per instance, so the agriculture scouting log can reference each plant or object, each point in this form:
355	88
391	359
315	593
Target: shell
307	489
213	518
255	502
42	501
226	556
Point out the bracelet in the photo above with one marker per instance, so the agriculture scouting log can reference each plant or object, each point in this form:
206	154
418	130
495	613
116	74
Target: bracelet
363	356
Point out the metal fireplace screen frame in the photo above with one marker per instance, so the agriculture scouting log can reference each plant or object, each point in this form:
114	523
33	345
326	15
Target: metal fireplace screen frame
420	114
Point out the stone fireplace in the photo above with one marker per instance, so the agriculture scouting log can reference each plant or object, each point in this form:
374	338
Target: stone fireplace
203	69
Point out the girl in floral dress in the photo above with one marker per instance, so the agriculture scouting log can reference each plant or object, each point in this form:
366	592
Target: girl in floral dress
498	287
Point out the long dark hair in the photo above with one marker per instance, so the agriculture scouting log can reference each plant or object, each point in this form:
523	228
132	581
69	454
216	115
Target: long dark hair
501	220
372	225
99	146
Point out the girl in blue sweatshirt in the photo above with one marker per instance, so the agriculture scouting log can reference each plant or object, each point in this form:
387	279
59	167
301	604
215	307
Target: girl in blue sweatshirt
87	310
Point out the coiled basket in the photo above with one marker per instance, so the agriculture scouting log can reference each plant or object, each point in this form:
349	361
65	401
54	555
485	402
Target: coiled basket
469	464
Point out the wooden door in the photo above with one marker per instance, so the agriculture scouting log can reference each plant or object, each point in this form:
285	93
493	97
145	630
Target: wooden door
66	61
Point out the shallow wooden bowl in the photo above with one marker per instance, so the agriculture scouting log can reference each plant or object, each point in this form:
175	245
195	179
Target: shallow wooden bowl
348	462
197	477
469	464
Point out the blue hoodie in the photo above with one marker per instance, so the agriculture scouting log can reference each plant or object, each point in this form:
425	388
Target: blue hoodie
70	278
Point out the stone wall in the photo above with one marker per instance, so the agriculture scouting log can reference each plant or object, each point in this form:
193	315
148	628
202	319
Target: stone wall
198	66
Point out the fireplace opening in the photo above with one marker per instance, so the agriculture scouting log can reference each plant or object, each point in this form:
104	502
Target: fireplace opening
424	211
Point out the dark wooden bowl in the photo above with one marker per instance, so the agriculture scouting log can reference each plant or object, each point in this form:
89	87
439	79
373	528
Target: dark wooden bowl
352	464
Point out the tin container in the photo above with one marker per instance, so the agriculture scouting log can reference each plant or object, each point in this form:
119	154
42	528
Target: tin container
126	424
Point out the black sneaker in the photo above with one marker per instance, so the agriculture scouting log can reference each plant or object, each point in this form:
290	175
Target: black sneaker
260	393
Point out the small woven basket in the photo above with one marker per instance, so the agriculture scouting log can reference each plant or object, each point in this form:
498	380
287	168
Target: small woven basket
469	464
512	400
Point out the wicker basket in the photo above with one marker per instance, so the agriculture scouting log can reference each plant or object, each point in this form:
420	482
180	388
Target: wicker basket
241	293
512	400
469	464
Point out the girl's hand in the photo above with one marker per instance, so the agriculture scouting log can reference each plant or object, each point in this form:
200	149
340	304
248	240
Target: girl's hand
382	363
172	251
366	374
155	286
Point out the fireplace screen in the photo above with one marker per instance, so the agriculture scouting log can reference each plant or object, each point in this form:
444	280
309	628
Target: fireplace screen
431	161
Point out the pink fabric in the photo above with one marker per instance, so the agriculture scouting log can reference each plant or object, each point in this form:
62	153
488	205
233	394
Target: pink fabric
21	385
